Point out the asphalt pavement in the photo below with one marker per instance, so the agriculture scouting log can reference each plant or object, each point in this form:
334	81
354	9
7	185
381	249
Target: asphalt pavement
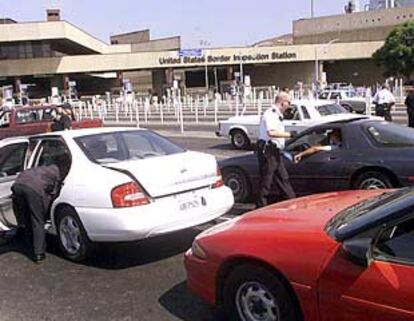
123	282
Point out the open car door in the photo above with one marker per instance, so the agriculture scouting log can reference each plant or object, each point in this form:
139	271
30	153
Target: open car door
7	216
12	162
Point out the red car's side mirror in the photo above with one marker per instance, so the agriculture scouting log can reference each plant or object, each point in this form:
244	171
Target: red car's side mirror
358	250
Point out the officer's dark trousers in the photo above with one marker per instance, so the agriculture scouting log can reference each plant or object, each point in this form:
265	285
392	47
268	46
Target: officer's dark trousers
411	120
384	110
274	175
261	157
29	209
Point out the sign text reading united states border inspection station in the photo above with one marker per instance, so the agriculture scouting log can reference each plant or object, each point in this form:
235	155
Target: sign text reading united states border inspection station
249	58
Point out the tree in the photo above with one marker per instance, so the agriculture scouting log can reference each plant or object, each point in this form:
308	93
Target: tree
396	56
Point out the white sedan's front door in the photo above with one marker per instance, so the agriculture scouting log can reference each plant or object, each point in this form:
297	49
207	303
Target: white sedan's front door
12	158
7	217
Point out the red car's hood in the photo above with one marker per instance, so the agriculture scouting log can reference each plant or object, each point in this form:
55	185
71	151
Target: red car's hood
309	214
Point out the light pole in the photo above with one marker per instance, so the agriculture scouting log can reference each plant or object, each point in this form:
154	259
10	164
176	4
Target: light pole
205	43
312	8
317	58
206	68
241	69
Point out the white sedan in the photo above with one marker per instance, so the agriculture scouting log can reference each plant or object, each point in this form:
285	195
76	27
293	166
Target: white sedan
302	114
122	185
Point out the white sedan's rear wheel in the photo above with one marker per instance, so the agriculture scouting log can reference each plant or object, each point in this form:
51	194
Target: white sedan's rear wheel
73	239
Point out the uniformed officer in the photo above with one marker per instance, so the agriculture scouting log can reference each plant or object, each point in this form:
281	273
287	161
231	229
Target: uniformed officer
33	193
384	100
270	145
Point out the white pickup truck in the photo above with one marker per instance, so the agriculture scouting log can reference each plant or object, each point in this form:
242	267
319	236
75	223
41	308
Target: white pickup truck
244	130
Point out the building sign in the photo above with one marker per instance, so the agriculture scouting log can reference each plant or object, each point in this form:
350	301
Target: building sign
228	59
190	53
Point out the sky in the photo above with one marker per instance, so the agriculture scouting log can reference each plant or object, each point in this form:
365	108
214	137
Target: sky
219	22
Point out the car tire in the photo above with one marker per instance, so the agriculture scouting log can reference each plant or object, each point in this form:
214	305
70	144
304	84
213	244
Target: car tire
238	182
72	237
373	180
239	139
254	293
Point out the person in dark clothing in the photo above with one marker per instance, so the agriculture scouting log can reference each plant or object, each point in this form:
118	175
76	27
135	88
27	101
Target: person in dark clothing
62	121
33	192
409	102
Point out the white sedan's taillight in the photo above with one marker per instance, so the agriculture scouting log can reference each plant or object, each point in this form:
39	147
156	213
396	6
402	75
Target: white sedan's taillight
128	195
219	182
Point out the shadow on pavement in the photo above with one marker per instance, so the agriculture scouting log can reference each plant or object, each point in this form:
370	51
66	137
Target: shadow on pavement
181	303
126	255
15	243
115	256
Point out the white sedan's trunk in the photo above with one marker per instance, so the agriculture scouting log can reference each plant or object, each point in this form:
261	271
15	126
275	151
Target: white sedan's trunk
184	172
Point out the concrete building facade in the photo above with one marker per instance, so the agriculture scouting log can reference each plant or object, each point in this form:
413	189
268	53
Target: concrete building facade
54	52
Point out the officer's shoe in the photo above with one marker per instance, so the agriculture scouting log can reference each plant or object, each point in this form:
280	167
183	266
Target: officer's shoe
39	258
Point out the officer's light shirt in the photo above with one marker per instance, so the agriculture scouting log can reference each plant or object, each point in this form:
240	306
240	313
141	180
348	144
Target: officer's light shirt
384	96
272	119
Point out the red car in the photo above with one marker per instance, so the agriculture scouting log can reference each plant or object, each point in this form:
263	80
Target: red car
26	121
337	256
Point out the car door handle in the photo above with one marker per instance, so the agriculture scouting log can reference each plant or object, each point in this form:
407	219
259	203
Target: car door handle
331	158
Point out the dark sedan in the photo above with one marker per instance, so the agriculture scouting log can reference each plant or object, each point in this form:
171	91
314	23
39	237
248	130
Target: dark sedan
373	155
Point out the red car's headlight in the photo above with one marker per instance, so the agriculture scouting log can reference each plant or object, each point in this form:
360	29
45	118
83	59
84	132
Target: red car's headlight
198	252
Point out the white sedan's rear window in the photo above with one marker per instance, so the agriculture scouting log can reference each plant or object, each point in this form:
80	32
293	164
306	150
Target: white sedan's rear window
129	145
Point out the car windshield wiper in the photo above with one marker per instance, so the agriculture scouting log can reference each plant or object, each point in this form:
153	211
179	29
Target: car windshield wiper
355	211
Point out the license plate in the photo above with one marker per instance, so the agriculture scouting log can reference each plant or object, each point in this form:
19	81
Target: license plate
189	202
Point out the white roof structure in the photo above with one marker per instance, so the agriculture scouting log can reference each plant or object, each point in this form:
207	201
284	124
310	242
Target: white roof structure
381	4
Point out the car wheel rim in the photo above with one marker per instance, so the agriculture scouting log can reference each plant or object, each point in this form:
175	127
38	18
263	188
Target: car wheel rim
372	184
239	140
256	303
235	184
70	235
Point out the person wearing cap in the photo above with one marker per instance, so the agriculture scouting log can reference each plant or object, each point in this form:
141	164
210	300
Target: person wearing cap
409	102
270	146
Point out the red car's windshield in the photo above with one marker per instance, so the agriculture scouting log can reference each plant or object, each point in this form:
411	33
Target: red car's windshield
342	219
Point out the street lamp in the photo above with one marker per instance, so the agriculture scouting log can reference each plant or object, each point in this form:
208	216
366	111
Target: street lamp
205	43
241	68
312	8
325	46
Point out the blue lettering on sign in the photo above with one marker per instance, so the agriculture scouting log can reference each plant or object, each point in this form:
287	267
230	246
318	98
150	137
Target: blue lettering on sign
190	53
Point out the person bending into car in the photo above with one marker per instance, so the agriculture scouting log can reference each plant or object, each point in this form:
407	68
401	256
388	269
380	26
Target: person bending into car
33	192
335	142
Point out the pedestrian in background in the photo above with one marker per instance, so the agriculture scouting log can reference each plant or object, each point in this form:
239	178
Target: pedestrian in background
62	121
409	102
384	100
270	145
